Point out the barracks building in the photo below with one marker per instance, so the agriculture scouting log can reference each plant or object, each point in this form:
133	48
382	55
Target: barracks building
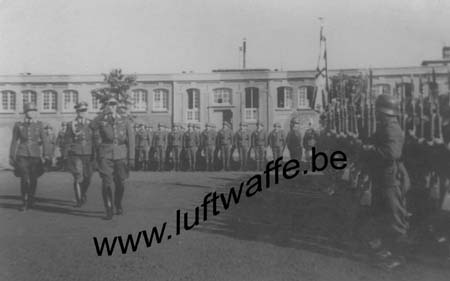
247	95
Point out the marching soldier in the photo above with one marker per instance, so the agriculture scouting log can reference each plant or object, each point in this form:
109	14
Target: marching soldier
142	147
208	144
160	146
191	142
224	143
242	142
175	145
276	141
391	181
310	139
259	143
294	140
115	139
25	153
79	140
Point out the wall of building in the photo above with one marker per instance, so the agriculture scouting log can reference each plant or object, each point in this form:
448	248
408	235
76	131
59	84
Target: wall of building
177	85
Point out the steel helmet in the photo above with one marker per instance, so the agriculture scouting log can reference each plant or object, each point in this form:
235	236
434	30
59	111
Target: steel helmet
387	104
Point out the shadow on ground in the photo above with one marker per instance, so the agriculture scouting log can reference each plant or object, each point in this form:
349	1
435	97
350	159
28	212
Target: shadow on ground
299	214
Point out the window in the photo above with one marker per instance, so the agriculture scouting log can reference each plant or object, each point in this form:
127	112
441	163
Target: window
381	89
407	89
193	105
251	104
29	96
8	101
95	104
160	100
222	96
70	100
305	97
139	97
284	97
49	101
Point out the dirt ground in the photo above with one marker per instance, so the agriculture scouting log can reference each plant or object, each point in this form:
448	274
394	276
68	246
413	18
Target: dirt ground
291	231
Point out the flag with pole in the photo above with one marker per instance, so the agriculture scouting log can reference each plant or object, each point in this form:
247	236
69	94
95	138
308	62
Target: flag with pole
321	89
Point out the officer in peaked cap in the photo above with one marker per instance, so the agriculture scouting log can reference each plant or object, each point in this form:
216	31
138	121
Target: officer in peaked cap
80	140
160	146
114	137
294	140
277	140
224	144
28	146
242	142
259	143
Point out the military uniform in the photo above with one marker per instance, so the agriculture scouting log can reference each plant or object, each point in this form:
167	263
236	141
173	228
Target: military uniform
259	143
208	144
242	142
25	154
294	141
191	142
277	141
115	141
160	146
310	140
79	139
224	143
176	145
143	142
390	179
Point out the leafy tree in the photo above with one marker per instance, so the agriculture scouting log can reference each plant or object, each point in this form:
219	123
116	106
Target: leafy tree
118	87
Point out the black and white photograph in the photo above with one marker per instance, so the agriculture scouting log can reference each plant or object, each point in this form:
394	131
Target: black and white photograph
238	140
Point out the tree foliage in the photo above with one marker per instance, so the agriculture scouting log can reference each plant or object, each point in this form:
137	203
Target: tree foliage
118	85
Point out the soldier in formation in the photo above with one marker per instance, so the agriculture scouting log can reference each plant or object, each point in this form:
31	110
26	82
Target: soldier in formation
242	142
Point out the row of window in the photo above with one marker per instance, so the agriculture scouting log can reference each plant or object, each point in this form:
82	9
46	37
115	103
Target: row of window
221	97
70	98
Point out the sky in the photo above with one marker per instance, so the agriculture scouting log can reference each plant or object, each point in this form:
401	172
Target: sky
171	36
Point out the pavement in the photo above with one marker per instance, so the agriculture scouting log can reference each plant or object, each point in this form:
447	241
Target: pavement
290	231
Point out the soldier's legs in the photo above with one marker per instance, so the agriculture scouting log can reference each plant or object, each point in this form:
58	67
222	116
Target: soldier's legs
88	170
75	165
121	173
106	170
177	158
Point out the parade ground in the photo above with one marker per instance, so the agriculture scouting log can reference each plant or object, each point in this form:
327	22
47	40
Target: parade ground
292	231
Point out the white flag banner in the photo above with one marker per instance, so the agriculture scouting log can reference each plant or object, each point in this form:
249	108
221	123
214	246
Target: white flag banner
321	90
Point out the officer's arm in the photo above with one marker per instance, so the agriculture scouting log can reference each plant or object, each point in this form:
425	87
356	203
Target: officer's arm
13	146
68	139
95	138
131	141
390	150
